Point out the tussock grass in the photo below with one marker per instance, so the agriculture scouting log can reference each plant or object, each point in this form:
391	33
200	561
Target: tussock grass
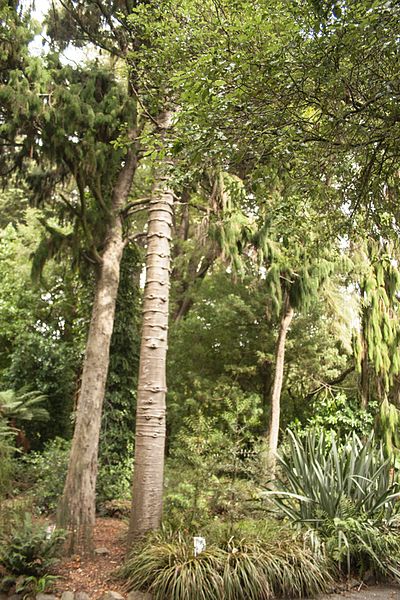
255	569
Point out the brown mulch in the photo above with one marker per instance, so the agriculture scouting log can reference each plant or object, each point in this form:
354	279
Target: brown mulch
95	575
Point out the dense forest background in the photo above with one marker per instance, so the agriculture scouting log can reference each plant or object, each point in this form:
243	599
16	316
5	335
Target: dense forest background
219	178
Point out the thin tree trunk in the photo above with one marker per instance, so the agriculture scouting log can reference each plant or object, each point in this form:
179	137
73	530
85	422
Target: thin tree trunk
273	430
147	489
364	375
76	511
364	366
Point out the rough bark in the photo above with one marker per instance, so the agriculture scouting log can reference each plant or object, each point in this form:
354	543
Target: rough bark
76	511
147	490
273	430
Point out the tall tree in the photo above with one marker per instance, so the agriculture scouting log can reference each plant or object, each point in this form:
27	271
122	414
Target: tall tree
80	124
148	477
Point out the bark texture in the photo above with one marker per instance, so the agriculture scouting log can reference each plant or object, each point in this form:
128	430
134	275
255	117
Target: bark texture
273	431
148	476
76	511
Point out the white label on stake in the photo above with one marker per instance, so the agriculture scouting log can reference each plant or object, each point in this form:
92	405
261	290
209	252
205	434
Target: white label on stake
199	545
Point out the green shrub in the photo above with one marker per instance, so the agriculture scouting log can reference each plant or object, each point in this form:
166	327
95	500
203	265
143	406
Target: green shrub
254	569
30	549
7	450
337	414
358	545
12	513
30	586
346	496
45	472
114	481
211	467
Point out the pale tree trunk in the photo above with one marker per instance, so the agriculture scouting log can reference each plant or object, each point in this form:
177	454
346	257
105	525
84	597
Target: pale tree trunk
273	430
147	488
76	511
364	375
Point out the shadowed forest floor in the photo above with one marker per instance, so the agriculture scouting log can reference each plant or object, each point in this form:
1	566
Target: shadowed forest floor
95	575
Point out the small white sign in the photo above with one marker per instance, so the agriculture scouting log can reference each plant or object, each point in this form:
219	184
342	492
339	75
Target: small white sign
199	545
49	531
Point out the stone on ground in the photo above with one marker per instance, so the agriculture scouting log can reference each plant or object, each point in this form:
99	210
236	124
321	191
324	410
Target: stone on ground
139	596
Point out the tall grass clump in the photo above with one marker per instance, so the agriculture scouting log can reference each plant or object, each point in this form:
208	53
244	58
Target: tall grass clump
252	568
346	497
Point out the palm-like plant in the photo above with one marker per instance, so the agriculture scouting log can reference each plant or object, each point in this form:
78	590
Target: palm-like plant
22	405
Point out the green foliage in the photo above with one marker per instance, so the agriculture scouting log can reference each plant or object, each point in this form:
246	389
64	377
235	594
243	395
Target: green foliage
219	457
42	329
23	405
43	361
253	568
320	476
44	472
338	415
388	428
379	282
30	586
118	418
114	480
31	549
12	513
346	496
7	460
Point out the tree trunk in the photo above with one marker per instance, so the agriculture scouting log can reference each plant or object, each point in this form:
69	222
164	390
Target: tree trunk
273	430
147	490
76	511
364	375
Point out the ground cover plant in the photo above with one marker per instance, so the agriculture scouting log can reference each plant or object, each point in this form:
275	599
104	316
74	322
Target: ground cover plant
28	553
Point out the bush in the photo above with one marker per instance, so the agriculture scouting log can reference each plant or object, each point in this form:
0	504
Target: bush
219	463
337	414
46	471
31	586
12	513
254	569
114	481
6	458
347	498
30	549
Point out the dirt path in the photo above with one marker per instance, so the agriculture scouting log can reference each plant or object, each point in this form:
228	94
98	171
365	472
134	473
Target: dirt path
94	576
372	593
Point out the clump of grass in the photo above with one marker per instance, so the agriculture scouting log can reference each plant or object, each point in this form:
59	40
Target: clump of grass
256	569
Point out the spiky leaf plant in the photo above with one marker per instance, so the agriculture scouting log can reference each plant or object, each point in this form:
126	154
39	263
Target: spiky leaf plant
346	496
